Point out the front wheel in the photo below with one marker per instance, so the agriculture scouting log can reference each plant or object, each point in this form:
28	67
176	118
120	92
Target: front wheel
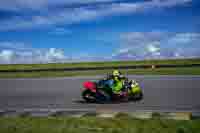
89	96
136	96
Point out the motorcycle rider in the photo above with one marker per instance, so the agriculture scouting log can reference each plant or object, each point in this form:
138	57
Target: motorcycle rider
115	82
118	83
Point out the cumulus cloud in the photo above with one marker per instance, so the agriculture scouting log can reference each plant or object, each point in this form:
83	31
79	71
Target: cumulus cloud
141	37
54	55
133	46
13	55
157	45
21	53
153	48
76	13
185	38
7	56
39	4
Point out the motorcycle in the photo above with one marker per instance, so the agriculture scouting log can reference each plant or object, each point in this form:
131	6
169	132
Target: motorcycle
101	92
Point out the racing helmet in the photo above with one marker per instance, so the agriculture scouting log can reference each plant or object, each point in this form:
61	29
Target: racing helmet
116	73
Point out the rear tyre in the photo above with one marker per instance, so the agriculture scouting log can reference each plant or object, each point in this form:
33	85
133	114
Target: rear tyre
89	96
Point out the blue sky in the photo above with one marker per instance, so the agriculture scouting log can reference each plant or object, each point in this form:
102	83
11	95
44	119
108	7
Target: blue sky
41	31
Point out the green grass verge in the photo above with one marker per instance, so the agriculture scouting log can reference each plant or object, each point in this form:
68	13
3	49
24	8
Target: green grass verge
158	71
98	64
95	125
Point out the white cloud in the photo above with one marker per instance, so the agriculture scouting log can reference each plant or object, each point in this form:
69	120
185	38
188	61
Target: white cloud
134	46
54	54
132	38
40	4
125	50
70	15
185	37
25	54
177	55
12	54
153	48
7	56
148	45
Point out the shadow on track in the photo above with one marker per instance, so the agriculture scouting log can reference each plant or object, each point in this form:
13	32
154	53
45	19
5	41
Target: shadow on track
111	102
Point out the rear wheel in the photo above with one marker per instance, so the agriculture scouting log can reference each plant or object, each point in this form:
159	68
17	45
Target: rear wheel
89	96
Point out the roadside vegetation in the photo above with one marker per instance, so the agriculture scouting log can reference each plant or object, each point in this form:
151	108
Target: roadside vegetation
123	124
138	71
157	71
99	64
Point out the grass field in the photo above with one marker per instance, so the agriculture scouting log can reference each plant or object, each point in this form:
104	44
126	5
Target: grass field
138	71
99	64
123	124
158	71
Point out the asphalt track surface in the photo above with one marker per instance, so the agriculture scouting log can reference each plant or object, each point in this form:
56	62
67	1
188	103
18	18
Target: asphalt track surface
161	93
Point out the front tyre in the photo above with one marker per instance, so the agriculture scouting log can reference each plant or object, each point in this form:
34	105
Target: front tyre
139	96
136	96
89	96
